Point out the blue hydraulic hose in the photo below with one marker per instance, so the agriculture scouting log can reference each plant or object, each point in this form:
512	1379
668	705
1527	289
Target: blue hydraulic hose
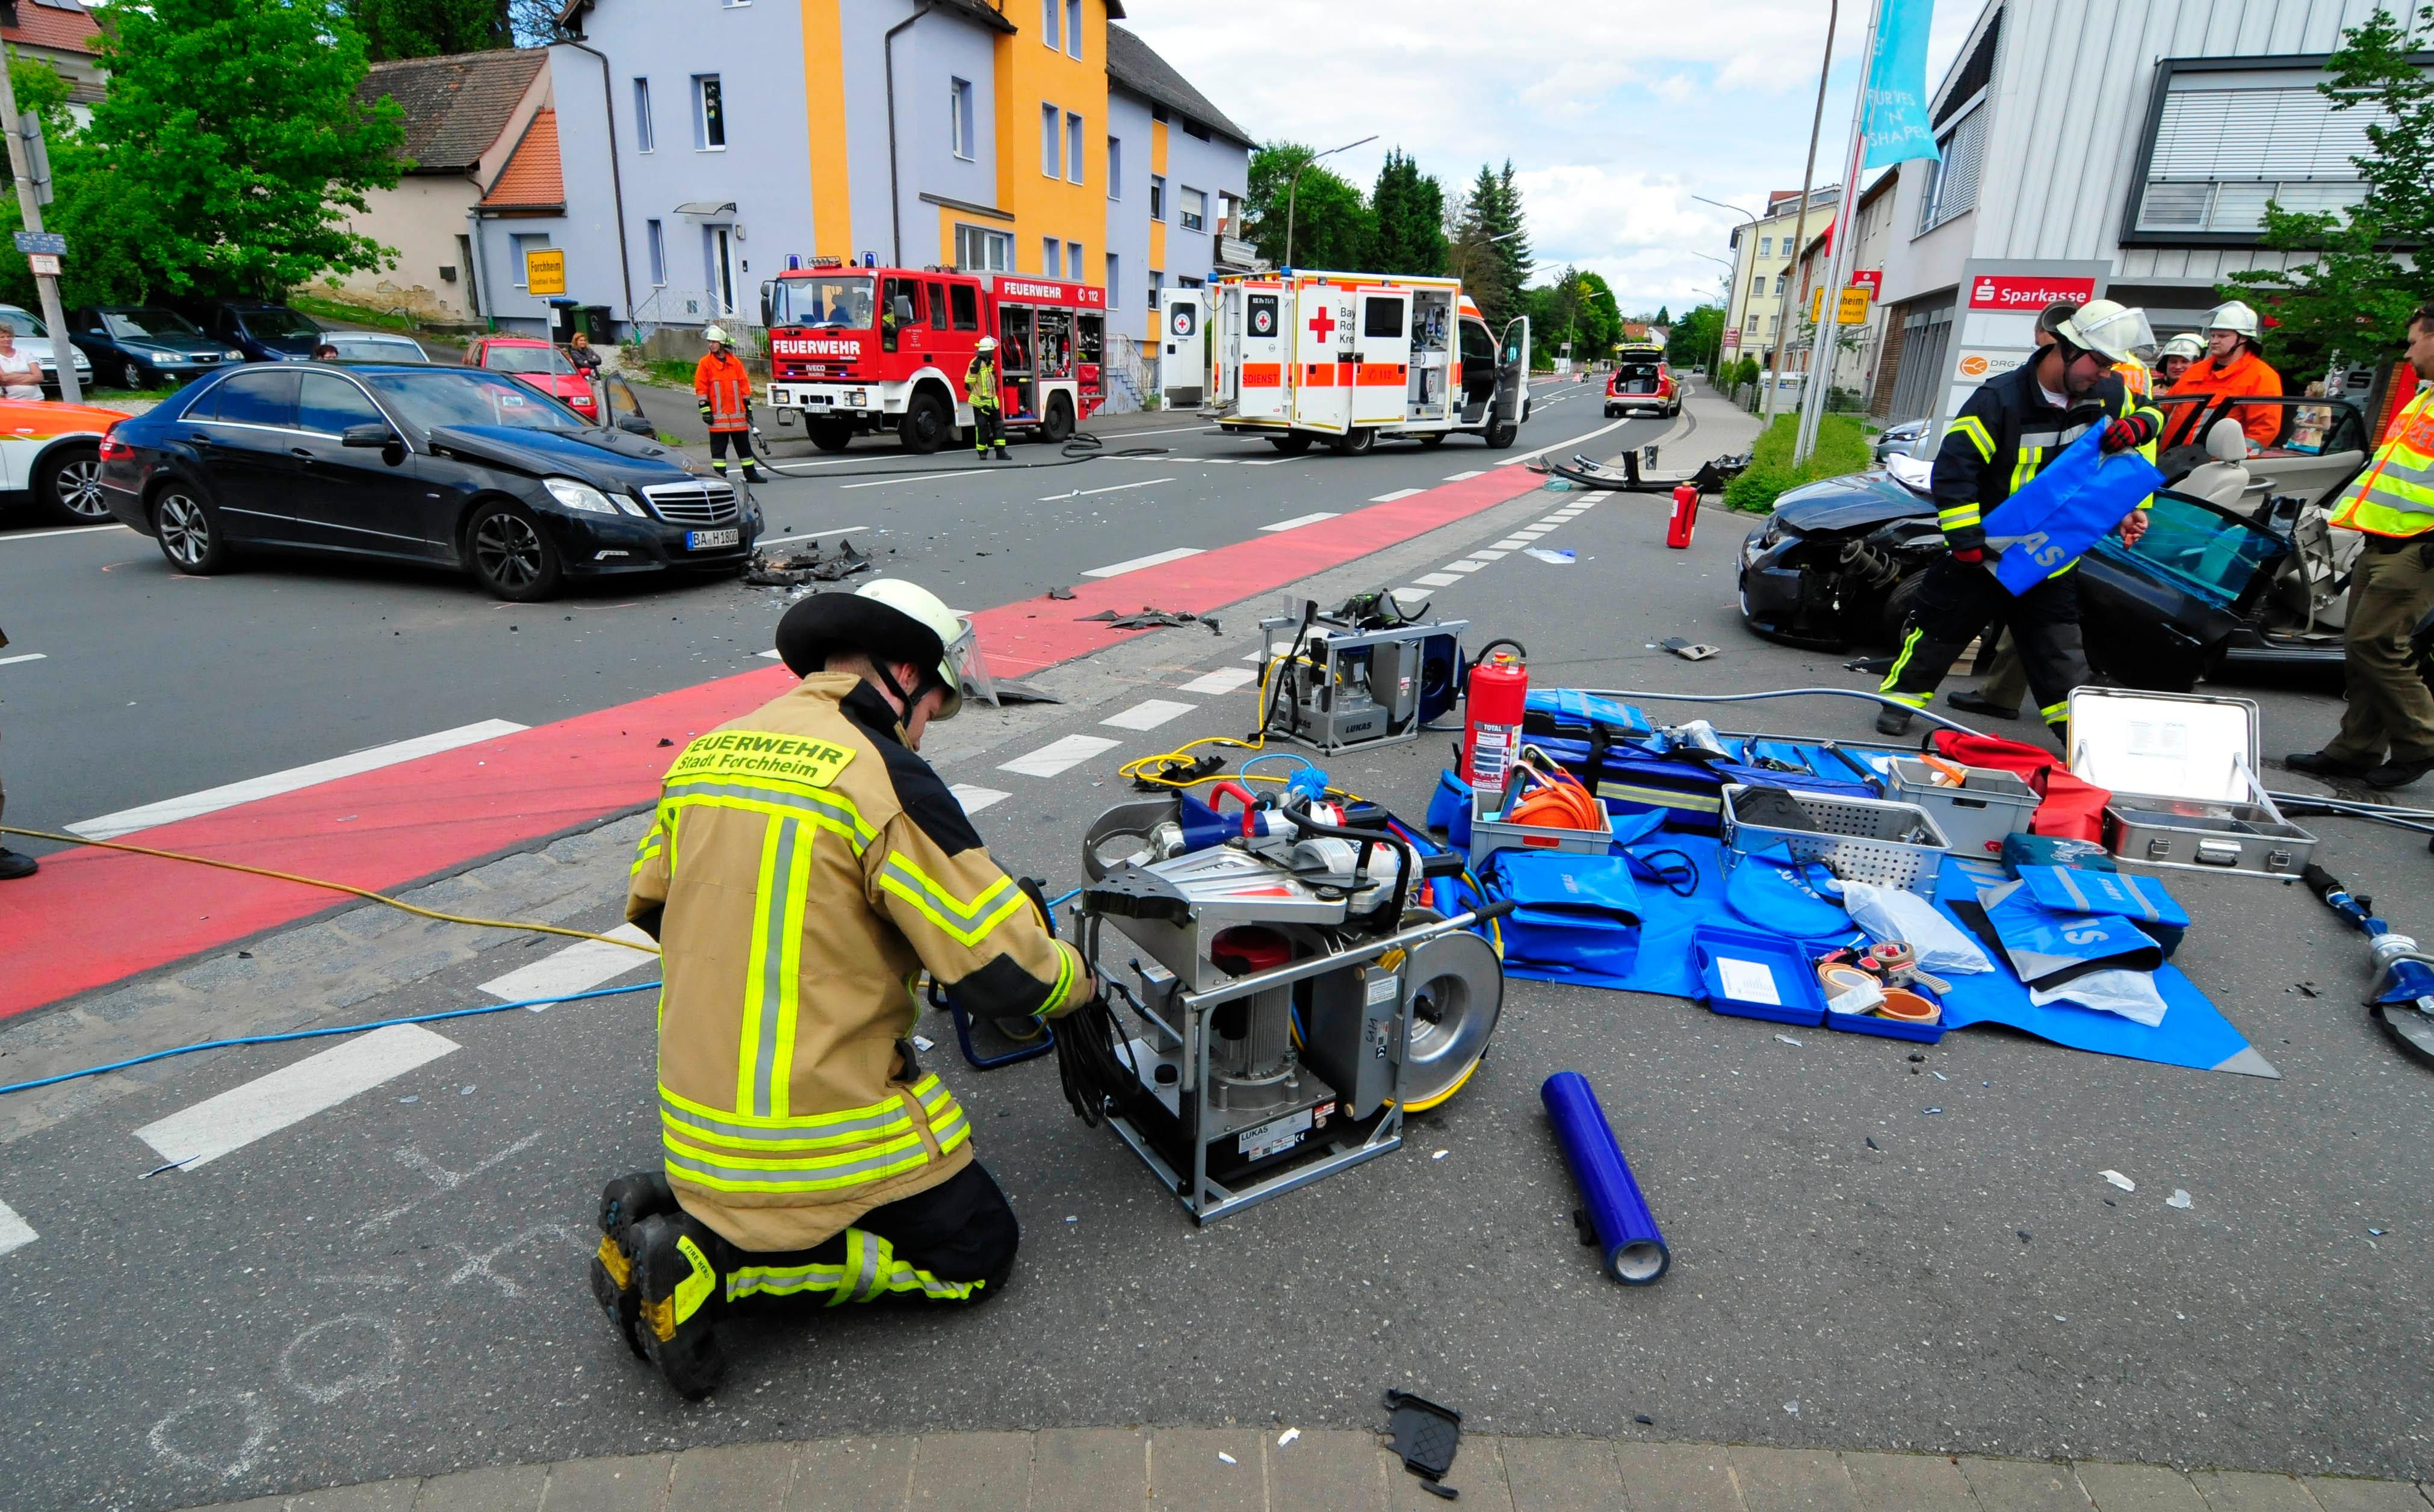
317	1034
1062	899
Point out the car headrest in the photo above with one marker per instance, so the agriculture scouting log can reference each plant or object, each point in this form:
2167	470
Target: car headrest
2226	441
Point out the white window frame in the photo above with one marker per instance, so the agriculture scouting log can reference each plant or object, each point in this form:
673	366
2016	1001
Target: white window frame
995	248
961	126
1073	273
1051	257
1049	13
1115	279
1766	246
1076	139
647	133
1184	216
521	242
656	238
1115	166
1051	141
702	85
2224	136
1074	28
1955	181
1157	196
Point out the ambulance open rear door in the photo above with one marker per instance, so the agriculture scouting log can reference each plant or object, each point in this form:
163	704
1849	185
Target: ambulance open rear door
1259	373
1325	321
1183	359
1381	361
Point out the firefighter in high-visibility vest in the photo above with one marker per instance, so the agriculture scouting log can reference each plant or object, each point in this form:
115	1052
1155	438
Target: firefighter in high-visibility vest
2387	735
725	390
803	869
981	392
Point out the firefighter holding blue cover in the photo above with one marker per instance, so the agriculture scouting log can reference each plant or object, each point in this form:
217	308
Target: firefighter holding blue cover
2008	432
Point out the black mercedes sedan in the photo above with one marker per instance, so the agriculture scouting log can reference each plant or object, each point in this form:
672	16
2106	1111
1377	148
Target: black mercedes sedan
454	467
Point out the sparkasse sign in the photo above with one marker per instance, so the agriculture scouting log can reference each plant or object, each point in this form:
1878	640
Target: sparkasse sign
2027	292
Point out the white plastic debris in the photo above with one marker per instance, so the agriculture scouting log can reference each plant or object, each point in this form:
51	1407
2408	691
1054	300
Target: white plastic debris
1287	1436
2119	1181
1227	1458
1792	1406
1788	1039
1548	553
924	1043
1440	1155
2179	1199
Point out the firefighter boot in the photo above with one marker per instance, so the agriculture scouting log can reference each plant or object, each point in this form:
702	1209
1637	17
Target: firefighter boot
623	1204
681	1297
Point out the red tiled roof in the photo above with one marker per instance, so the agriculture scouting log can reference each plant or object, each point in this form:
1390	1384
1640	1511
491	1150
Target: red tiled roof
531	180
67	28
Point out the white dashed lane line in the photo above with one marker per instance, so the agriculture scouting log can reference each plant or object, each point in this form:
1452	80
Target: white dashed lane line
1058	756
975	799
1399	493
201	1134
1112	487
1457	477
578	967
1137	563
1299	520
1225	680
1438	580
1148	714
30	656
15	1232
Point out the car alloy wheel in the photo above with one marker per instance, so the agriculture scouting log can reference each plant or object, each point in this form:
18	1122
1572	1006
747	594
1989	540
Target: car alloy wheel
130	375
185	534
507	550
76	485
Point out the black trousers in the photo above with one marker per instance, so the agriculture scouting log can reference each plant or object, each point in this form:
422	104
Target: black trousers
989	428
718	441
1961	600
953	1243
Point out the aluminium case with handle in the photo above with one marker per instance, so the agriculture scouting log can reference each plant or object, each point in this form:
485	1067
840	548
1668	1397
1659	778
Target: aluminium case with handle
2182	769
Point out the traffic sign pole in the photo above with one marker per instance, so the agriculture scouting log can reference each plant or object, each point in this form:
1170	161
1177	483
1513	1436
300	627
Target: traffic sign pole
29	205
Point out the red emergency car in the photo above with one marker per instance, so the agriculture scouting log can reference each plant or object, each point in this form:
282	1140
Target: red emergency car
1643	384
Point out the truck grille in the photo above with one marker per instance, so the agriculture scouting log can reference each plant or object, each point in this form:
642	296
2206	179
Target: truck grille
692	504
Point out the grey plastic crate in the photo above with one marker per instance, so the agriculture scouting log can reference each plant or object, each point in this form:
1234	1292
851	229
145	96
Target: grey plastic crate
1859	839
1974	817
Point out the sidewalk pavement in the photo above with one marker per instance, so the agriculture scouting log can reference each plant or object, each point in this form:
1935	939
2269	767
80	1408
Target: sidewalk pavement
1243	1470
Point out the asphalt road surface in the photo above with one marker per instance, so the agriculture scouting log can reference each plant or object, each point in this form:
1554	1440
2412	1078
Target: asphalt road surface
125	684
1869	1252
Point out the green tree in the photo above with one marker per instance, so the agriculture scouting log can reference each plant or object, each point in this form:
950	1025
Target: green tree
228	155
1490	253
1746	371
426	28
1695	337
1664	317
1599	322
1408	208
2354	300
1331	225
41	91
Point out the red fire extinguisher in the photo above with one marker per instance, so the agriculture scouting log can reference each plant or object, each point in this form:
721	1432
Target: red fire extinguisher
1491	729
1685	514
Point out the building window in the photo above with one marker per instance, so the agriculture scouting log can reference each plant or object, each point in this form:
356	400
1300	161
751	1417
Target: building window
1115	167
1115	282
658	243
2225	143
1052	142
1073	261
646	137
1048	11
980	249
1766	246
1073	147
1073	28
1052	254
521	243
1195	209
1753	325
1156	198
1952	183
1778	285
1156	284
709	114
959	120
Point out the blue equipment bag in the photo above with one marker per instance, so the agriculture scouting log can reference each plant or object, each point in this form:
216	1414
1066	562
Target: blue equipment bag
2058	514
1570	912
2047	948
2140	900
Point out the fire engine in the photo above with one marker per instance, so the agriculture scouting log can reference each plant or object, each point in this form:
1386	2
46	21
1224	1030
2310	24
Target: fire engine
1347	358
859	349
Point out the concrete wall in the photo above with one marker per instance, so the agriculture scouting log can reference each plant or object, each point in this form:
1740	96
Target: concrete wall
421	219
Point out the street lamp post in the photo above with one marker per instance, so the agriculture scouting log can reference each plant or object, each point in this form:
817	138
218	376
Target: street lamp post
1292	188
1807	176
1732	275
1731	271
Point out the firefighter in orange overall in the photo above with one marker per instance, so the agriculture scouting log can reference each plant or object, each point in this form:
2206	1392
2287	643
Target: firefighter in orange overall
725	390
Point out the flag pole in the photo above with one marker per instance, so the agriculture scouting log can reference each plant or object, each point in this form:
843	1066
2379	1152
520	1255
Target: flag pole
1819	381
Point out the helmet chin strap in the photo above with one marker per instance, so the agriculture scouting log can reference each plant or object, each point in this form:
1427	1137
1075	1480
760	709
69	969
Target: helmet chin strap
904	701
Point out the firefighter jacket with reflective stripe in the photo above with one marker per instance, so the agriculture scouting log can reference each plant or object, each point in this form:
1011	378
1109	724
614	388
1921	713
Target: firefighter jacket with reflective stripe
2005	434
980	384
802	869
2245	373
720	378
2394	496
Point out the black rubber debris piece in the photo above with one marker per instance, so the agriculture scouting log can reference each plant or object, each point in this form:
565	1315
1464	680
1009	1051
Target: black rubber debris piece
1154	619
795	569
1873	1144
1012	692
2022	1233
1060	592
665	741
1427	1436
1643	1419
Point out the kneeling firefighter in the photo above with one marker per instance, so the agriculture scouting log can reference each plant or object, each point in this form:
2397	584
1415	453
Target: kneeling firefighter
803	869
2010	430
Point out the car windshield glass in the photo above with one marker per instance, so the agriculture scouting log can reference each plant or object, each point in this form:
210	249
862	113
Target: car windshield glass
149	324
842	302
525	359
430	399
22	323
279	321
2209	554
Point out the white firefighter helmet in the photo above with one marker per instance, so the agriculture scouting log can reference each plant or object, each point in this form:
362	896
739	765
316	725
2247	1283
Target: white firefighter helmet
2112	331
960	661
2184	345
888	620
2235	318
987	344
716	336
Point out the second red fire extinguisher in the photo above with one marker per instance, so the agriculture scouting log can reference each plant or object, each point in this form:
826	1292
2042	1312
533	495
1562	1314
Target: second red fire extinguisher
1685	514
1491	728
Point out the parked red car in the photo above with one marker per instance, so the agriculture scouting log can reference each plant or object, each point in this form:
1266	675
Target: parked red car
538	364
1642	384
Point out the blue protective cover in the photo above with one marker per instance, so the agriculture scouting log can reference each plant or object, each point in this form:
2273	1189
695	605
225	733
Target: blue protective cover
2048	947
1567	710
2140	900
2058	514
1767	890
1573	913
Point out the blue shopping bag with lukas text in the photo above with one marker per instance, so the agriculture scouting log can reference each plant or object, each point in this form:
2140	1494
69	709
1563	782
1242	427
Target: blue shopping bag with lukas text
2058	514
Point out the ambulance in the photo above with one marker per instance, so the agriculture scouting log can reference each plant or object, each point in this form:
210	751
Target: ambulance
856	349
1350	358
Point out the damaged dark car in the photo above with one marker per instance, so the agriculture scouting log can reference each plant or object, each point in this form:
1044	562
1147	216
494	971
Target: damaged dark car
2239	566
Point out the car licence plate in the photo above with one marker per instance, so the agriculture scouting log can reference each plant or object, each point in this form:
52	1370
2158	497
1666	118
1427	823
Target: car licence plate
704	540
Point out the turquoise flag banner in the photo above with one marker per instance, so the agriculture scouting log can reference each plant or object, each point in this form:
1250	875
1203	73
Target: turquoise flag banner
1898	129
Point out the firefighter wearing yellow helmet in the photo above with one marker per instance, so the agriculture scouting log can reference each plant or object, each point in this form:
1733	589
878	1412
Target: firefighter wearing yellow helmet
804	866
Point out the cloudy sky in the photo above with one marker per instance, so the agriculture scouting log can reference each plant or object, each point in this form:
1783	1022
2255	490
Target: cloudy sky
1614	113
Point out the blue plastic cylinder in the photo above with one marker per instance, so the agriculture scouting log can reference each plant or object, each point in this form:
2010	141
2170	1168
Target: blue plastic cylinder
1626	1231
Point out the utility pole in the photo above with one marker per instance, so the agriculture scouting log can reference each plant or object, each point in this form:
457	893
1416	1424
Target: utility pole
29	205
1783	312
